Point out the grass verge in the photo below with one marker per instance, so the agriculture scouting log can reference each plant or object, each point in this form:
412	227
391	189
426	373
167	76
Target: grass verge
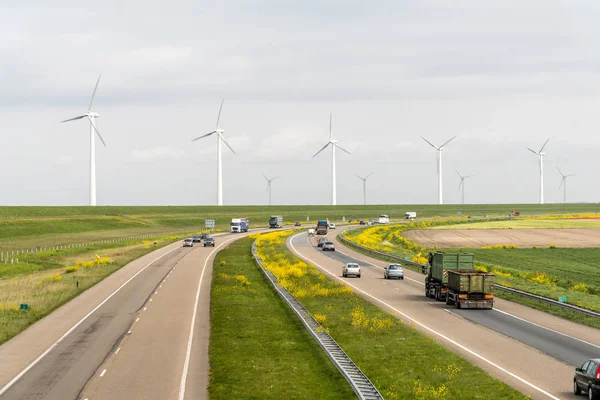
258	348
415	366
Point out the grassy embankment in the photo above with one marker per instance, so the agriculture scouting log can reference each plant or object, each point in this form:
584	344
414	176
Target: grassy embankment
549	272
415	366
258	348
26	227
51	278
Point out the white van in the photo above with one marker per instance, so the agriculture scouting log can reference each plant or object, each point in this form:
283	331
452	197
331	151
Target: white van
311	232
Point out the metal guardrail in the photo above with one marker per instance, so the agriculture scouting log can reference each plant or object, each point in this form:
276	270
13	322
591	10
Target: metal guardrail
581	310
362	386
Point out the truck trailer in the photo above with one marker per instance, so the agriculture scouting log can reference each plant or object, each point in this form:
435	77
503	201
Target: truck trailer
276	221
239	225
436	279
470	288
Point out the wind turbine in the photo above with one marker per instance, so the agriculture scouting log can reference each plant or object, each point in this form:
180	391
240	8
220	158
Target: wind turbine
541	161
90	115
269	185
439	165
220	138
334	144
564	182
462	183
364	185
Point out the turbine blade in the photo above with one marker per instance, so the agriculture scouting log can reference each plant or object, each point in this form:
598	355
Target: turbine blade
268	184
227	144
569	175
431	144
341	148
460	184
369	175
275	178
359	177
97	131
533	151
322	148
448	141
545	143
468	176
562	181
73	119
265	176
203	136
94	93
560	172
219	116
458	173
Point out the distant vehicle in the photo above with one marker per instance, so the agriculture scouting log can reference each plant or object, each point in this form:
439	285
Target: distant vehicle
362	222
383	219
239	225
514	213
321	228
203	235
188	243
209	242
436	280
297	223
328	246
276	221
393	271
351	269
332	226
587	379
322	241
196	239
470	288
311	232
410	215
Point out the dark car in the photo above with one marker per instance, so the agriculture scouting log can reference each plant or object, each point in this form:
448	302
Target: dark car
209	242
196	238
203	235
587	379
328	246
297	224
362	222
322	241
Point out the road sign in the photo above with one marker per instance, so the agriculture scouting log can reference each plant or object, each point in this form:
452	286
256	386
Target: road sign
444	273
562	299
209	224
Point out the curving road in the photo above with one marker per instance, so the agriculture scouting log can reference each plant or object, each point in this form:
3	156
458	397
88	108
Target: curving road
529	350
141	333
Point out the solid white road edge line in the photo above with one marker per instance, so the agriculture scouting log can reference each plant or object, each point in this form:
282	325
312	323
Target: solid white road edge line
186	364
531	385
494	309
67	333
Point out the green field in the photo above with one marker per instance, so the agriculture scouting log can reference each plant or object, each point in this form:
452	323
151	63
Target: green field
527	224
259	349
401	362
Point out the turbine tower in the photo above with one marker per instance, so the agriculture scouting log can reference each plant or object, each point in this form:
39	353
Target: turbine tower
564	182
364	185
462	183
439	165
90	115
334	144
541	155
269	185
220	138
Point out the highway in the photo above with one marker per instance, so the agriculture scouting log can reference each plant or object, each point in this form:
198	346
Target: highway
528	349
142	333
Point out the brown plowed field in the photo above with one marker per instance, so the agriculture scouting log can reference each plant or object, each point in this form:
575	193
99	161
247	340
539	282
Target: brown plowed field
519	237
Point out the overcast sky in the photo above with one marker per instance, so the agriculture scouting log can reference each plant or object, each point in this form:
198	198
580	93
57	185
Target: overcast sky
502	76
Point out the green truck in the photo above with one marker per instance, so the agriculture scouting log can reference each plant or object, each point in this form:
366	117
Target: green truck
436	280
470	288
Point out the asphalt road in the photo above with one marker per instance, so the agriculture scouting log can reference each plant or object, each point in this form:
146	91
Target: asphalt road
142	333
530	350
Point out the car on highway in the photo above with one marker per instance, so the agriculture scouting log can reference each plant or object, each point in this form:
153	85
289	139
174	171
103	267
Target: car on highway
328	246
209	242
362	222
587	379
322	241
311	232
351	269
196	239
393	271
332	226
188	242
203	235
297	223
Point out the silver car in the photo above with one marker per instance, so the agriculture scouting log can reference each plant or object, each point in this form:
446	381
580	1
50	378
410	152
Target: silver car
393	271
188	243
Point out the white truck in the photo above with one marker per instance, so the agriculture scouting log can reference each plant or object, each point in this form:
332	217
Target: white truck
239	225
410	215
383	219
